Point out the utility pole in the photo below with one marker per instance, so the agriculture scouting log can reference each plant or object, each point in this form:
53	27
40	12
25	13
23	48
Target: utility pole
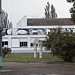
1	28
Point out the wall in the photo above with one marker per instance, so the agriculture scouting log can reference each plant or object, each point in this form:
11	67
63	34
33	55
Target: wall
22	23
14	42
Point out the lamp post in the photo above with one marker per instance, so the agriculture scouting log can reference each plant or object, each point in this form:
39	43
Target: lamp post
1	28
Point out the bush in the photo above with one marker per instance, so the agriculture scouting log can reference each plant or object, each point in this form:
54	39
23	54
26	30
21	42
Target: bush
5	51
64	47
62	44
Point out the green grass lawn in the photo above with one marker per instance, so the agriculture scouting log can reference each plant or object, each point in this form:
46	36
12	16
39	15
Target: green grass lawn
29	58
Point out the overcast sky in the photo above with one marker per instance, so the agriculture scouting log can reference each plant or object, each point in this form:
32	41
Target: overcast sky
33	8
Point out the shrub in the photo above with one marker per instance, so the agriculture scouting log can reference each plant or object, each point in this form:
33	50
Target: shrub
6	50
64	47
62	44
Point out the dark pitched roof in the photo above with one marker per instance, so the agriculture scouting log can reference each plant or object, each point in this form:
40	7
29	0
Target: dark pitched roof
49	22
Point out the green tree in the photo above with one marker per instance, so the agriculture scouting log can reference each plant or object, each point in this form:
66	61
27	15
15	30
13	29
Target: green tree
50	12
50	38
62	44
72	10
53	12
47	10
5	21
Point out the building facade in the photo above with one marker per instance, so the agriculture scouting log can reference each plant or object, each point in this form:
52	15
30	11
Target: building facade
22	38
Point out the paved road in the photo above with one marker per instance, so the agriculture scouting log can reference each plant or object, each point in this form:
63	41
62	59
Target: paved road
37	68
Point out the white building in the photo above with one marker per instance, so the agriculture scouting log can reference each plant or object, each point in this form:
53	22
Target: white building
21	39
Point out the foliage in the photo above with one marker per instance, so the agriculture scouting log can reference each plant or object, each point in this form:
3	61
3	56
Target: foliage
50	38
50	12
5	22
5	51
72	10
62	44
70	0
53	12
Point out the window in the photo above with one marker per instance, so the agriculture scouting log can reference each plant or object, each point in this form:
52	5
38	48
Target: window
4	43
31	44
23	44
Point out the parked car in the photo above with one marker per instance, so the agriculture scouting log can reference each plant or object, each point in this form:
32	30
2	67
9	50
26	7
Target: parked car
34	32
21	32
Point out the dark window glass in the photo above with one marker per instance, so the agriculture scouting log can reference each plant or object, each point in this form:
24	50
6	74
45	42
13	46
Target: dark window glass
23	44
31	44
4	43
